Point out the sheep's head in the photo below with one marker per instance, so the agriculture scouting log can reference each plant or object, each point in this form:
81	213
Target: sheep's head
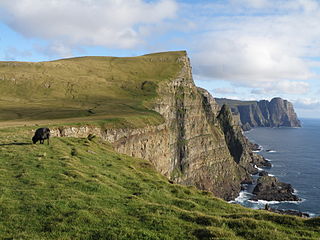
34	140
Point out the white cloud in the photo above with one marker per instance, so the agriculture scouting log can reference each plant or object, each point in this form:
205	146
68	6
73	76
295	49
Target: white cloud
282	87
108	23
265	45
11	53
55	48
307	103
224	91
252	3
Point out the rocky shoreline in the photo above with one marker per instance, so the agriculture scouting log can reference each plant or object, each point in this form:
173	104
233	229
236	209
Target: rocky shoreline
269	188
286	212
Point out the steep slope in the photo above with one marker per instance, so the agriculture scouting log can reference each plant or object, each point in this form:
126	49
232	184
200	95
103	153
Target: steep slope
80	189
276	113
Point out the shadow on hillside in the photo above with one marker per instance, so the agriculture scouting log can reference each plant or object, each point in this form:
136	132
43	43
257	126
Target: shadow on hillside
15	143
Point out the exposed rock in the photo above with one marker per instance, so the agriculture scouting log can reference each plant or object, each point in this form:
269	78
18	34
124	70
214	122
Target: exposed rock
270	189
255	147
260	161
246	126
246	181
276	113
263	173
287	212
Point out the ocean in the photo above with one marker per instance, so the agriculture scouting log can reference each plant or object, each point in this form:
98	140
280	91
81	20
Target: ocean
295	158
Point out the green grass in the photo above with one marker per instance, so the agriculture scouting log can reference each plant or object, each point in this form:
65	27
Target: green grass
85	88
82	189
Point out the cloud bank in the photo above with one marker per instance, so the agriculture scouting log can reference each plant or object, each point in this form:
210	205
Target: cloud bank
266	45
110	23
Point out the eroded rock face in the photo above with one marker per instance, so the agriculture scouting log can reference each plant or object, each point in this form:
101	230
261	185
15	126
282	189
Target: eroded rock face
282	113
276	113
197	144
270	189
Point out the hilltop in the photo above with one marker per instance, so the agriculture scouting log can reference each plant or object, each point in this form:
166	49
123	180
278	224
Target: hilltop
84	88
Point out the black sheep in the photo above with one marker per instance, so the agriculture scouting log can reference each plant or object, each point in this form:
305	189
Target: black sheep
40	135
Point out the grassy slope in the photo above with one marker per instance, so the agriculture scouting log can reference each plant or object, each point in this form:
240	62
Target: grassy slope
84	89
81	189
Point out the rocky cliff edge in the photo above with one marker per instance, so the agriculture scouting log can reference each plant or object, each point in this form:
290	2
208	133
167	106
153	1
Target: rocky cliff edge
198	144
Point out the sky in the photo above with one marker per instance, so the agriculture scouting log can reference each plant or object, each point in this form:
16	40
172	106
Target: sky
239	49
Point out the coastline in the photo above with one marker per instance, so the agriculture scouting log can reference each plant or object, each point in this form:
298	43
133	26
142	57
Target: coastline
245	195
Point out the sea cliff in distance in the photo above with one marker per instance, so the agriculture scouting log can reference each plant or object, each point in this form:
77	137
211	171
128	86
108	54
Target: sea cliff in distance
275	113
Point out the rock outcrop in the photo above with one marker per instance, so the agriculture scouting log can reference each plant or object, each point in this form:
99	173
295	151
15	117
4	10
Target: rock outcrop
268	188
287	212
198	144
276	113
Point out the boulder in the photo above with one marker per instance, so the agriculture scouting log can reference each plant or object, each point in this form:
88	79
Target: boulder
270	189
286	212
263	173
260	161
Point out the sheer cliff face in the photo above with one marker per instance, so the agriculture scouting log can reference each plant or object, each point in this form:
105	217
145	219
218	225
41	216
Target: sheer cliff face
196	145
276	113
190	147
282	113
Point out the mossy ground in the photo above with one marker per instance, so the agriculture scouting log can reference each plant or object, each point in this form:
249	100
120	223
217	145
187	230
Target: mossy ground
82	189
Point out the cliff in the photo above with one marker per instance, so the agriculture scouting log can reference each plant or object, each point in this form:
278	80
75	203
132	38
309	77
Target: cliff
146	107
275	113
196	145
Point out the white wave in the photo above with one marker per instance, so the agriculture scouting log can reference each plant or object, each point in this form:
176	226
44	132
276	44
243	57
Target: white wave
264	202
271	151
271	175
312	214
243	196
260	149
256	167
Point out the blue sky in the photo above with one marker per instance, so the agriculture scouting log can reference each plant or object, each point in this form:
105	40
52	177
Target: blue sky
241	49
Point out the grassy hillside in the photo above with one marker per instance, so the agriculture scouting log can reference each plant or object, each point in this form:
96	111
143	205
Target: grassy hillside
81	189
85	88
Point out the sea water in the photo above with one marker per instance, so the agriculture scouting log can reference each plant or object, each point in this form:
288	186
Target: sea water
295	157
